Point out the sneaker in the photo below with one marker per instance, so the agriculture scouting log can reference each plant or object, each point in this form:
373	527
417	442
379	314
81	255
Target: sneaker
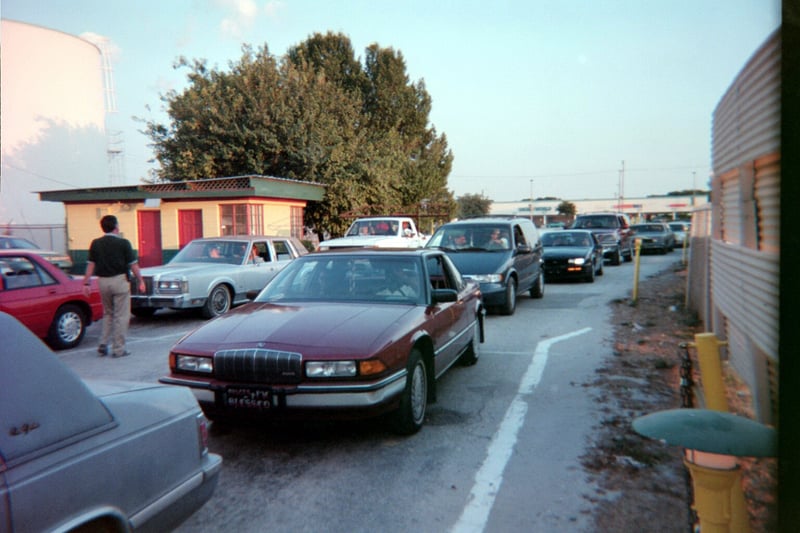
102	350
123	354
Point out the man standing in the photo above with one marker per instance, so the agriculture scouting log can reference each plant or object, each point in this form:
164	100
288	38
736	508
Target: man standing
111	257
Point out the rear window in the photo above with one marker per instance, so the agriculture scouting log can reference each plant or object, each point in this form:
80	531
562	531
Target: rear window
599	221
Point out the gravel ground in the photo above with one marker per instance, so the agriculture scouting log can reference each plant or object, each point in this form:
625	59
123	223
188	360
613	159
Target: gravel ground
643	484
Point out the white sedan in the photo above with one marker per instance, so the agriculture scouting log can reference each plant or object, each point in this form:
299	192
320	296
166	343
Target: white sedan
214	274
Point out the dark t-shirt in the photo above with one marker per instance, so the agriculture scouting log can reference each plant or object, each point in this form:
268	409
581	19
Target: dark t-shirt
112	255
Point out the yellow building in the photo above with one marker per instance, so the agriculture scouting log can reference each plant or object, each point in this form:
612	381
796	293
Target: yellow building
159	219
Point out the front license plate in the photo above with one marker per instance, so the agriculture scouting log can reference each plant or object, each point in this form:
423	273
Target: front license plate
243	398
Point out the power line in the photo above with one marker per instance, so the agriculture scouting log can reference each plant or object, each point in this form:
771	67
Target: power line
575	174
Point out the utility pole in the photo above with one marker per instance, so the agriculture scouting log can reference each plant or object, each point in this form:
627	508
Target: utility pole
694	186
530	202
621	186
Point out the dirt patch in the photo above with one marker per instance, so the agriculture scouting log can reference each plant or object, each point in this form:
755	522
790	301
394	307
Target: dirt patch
643	484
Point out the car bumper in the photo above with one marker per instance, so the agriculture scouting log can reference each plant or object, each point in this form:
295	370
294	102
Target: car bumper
566	272
183	301
275	400
493	293
182	501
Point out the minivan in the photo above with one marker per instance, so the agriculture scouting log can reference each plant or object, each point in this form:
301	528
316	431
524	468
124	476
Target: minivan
503	254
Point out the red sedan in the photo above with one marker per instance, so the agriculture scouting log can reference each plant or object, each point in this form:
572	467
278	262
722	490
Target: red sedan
360	332
49	302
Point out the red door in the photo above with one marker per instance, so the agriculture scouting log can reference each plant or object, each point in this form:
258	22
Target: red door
149	238
190	226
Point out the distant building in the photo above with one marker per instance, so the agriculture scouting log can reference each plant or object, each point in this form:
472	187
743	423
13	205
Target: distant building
546	211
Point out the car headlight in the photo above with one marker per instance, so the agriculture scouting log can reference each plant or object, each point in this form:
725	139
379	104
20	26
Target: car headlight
174	286
485	278
330	369
192	363
576	261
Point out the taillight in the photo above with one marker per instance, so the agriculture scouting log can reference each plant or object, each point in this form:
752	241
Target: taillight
202	434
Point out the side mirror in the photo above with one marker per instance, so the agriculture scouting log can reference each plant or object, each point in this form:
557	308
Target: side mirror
524	249
443	295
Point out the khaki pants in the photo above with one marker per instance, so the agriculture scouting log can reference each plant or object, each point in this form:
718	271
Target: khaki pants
115	293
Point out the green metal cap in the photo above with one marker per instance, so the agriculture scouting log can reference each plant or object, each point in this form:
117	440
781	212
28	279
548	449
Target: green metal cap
709	431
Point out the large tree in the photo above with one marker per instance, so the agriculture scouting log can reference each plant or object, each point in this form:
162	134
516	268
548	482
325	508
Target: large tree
315	115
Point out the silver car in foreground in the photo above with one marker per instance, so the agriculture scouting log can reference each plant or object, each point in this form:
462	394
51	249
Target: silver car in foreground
104	456
214	274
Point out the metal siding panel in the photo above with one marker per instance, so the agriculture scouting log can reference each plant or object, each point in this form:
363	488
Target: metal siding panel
746	122
731	210
768	185
745	289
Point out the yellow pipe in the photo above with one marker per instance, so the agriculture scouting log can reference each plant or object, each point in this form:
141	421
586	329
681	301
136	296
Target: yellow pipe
717	492
711	370
637	248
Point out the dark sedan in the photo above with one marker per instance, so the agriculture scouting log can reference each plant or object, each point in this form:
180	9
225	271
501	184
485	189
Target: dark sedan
572	254
654	236
52	304
358	333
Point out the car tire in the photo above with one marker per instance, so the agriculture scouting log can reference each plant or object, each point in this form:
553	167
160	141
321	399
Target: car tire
68	327
409	417
144	312
510	305
218	302
617	259
473	351
628	258
590	276
537	291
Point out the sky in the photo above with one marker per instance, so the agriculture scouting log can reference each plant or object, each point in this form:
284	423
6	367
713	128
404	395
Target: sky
569	99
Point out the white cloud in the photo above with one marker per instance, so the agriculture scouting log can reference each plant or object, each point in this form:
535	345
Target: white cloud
239	16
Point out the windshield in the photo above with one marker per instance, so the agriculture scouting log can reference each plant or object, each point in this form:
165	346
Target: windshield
647	228
373	226
8	243
351	278
567	238
472	237
221	251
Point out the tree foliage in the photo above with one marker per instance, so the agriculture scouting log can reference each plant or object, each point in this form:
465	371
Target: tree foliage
473	205
316	115
567	208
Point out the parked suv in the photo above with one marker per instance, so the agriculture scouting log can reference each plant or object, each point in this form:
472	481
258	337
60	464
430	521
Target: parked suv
617	224
503	254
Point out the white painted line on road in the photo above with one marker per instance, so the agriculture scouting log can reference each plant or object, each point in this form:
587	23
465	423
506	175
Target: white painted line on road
490	476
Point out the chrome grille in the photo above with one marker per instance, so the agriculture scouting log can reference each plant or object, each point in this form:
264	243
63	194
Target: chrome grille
258	365
148	286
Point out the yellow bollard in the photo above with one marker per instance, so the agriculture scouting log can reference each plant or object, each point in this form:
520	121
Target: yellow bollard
707	346
718	497
637	248
717	488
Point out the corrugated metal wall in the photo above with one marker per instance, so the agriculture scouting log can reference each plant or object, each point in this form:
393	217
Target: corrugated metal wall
744	251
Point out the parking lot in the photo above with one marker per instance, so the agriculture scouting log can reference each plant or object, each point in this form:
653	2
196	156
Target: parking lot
499	450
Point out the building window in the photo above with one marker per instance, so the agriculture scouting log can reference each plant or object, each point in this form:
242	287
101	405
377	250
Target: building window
298	227
241	219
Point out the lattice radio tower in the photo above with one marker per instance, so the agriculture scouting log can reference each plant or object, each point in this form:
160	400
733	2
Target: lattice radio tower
114	138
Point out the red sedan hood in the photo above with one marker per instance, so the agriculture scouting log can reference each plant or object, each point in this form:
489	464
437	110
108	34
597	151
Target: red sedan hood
329	328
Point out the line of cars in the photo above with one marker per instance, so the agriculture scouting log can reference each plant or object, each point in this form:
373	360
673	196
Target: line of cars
580	250
357	332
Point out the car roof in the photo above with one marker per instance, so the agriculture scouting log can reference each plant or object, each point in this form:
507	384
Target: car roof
415	252
493	219
241	238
